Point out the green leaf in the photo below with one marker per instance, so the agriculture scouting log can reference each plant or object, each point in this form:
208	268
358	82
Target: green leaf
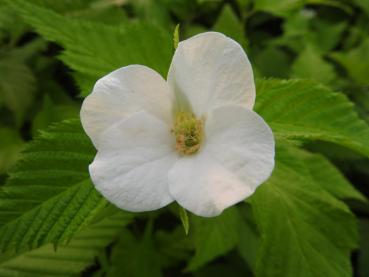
363	269
325	35
52	113
304	110
310	65
229	24
10	146
364	4
304	230
279	8
286	8
135	257
356	62
329	177
249	237
70	259
272	62
214	237
94	50
172	246
17	86
48	196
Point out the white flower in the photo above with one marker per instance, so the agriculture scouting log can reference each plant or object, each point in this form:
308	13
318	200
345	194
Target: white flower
193	139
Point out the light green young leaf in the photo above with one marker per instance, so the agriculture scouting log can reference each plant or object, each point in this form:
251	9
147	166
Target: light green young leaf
70	259
229	24
356	62
48	196
311	65
304	230
214	237
176	37
184	219
304	110
93	50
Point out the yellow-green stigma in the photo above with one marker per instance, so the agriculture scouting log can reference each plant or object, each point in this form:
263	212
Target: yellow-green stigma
188	131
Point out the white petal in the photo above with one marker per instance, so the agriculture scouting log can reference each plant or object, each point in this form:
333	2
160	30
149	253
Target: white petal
132	163
237	156
212	70
121	93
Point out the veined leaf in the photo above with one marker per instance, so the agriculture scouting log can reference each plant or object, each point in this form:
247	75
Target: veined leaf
304	110
48	196
301	225
70	259
93	49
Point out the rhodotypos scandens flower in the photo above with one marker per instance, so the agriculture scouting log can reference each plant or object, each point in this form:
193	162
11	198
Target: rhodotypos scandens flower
193	139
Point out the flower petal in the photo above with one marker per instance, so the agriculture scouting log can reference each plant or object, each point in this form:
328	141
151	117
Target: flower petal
121	93
212	70
132	163
237	157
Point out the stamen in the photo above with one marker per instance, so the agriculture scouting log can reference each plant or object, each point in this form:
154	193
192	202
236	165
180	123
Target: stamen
188	131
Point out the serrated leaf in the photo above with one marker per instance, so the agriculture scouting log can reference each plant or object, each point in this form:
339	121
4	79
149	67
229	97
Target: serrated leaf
70	259
304	230
304	110
214	237
93	49
48	196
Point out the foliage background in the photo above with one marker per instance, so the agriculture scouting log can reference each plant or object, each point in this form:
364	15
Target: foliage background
53	222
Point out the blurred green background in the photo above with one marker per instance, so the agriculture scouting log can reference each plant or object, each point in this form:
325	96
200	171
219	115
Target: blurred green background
323	40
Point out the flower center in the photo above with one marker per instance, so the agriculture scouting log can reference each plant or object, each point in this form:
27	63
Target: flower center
188	131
